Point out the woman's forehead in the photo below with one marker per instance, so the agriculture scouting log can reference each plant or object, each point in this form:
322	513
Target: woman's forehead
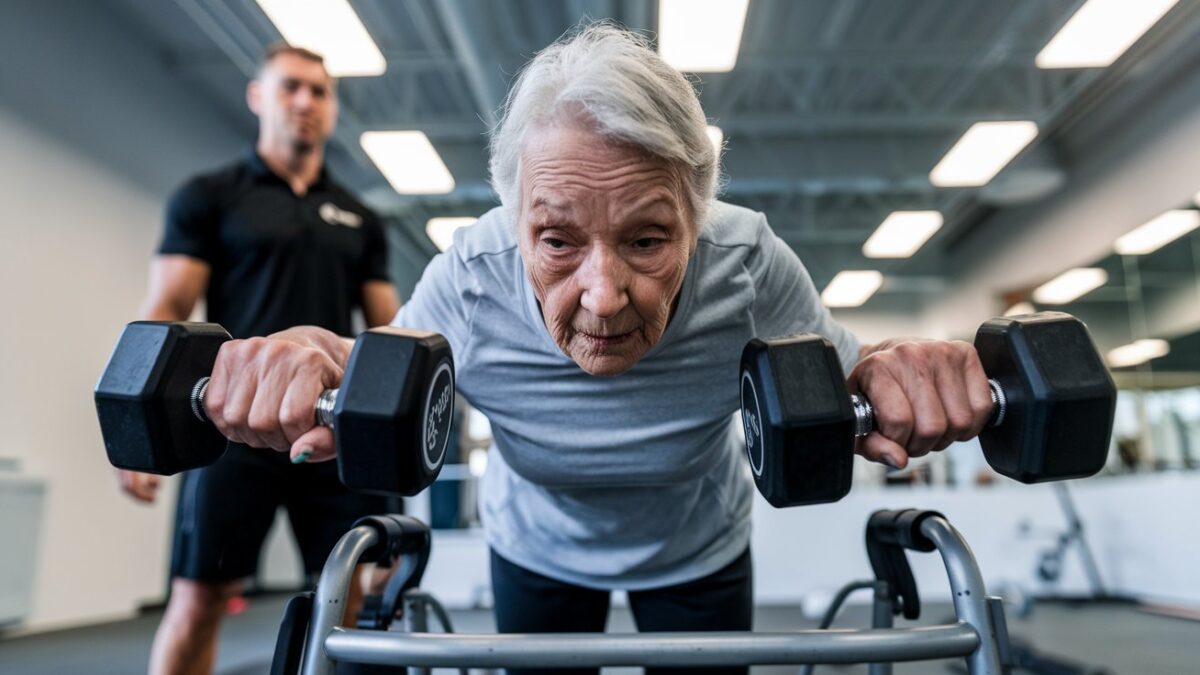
560	164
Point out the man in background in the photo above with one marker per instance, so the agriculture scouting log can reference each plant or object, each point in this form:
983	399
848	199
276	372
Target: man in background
269	242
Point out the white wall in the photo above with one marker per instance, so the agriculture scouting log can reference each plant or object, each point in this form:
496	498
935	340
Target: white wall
72	272
95	129
1141	530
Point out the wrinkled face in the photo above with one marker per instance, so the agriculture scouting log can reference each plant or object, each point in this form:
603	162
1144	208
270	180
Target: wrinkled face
295	101
606	235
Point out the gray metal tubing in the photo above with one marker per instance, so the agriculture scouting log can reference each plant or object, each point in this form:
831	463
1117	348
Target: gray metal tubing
330	605
970	597
881	617
415	621
592	650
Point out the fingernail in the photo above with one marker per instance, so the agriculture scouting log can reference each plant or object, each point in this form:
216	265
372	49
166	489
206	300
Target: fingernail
302	456
887	459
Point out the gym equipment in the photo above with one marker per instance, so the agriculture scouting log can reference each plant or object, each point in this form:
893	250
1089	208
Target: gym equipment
390	417
1049	568
978	635
1054	402
1050	562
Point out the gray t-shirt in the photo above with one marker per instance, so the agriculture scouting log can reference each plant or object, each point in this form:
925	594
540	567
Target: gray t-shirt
634	481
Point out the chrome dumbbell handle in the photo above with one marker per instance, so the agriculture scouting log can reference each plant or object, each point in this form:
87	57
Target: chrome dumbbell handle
864	412
324	408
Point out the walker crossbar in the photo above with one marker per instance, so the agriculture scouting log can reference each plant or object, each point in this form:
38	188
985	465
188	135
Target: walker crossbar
977	636
581	650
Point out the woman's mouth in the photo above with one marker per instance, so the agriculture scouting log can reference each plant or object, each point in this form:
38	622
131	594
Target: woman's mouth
605	341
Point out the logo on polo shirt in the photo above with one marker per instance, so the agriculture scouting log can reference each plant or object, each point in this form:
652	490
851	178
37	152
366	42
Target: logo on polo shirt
335	216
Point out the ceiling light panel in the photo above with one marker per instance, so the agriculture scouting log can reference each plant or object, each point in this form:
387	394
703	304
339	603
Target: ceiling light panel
1020	308
1158	232
1100	31
1138	352
716	137
331	29
851	288
1070	285
409	162
441	230
701	36
902	233
982	152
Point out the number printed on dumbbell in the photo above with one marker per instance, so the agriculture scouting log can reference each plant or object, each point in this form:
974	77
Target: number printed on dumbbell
433	420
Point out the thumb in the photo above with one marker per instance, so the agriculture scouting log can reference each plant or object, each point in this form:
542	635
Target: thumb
314	445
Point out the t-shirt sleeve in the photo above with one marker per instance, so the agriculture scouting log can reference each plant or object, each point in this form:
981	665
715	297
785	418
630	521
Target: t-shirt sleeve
191	226
374	264
443	301
787	301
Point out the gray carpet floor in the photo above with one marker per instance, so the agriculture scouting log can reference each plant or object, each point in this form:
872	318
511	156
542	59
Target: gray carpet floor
1119	638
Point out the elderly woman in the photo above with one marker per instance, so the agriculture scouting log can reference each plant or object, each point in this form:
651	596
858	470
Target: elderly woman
597	318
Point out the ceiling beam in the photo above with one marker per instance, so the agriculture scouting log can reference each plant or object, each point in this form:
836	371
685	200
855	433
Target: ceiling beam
460	20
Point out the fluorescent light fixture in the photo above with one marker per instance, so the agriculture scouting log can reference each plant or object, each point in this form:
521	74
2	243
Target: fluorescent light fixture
902	233
331	29
1196	199
1137	352
1158	232
1100	31
1020	308
408	161
716	137
851	288
701	36
982	152
1070	285
441	230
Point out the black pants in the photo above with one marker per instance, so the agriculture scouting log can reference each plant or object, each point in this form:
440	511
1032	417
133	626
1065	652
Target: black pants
527	602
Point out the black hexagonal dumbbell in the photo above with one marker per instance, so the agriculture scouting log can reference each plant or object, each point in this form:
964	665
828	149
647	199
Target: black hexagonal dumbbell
1053	398
390	418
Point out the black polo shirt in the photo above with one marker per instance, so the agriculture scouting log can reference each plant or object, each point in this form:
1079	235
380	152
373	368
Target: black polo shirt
278	260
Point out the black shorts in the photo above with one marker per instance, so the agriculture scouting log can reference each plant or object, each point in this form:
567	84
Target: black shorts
226	509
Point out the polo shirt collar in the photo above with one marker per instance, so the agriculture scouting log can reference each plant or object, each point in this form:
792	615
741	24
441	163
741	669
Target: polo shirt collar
261	172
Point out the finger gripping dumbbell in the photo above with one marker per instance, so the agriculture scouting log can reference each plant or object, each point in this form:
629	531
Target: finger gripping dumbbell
1053	405
390	417
864	412
322	411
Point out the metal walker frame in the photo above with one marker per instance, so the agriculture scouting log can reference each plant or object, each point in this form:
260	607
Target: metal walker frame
979	635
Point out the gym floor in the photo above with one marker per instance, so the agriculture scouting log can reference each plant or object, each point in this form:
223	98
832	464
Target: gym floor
1118	637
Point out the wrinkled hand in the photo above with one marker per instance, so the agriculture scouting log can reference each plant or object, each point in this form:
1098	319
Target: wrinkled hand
264	391
141	486
926	394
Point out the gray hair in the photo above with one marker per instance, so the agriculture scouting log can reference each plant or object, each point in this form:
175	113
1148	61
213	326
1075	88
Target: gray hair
627	92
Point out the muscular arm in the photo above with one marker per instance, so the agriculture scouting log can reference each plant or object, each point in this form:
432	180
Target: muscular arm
380	302
176	283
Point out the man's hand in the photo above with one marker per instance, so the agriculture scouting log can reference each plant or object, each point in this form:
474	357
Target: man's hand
264	391
926	394
141	486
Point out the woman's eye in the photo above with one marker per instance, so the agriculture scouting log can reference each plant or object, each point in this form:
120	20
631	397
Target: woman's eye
647	243
554	243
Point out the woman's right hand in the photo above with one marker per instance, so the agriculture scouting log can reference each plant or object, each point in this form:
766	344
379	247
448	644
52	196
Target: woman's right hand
263	391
